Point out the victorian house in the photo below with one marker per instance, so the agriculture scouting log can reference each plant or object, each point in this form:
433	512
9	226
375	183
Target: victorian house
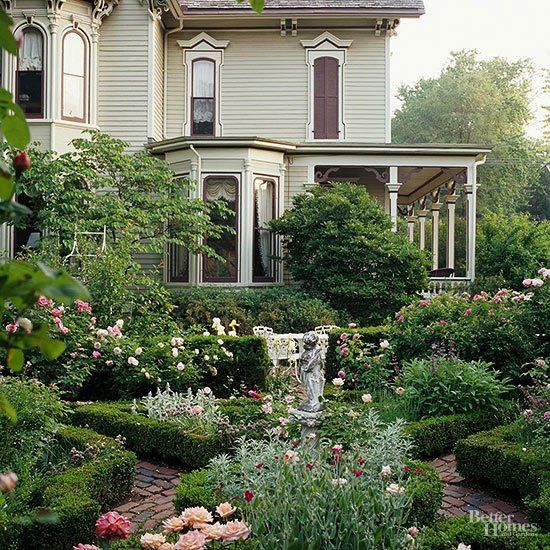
254	108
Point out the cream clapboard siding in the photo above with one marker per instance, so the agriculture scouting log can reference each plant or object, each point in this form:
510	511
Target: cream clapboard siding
296	179
158	81
123	73
41	133
264	85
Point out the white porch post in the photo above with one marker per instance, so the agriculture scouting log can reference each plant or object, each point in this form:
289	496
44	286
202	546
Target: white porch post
247	222
471	200
411	220
195	260
435	207
422	213
451	208
393	188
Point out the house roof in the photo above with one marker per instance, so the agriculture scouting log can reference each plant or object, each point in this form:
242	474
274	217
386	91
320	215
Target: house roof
374	6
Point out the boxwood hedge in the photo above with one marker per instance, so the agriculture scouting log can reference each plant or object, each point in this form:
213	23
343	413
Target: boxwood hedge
75	497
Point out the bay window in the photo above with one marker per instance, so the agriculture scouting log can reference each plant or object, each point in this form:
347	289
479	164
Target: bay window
30	74
203	100
225	189
74	82
264	238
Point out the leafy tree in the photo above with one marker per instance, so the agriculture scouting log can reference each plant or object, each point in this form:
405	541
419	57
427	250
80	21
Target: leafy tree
486	102
509	249
339	244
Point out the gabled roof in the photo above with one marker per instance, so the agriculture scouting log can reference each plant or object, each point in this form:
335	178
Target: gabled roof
414	6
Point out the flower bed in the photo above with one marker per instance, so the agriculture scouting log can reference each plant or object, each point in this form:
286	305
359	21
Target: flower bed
75	496
496	458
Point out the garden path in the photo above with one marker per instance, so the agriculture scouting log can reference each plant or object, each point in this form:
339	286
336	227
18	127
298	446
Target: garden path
152	498
459	498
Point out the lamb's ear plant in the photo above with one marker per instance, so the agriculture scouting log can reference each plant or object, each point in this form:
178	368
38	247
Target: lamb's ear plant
332	497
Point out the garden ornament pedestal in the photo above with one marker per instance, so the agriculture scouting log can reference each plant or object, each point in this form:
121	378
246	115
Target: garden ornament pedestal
312	376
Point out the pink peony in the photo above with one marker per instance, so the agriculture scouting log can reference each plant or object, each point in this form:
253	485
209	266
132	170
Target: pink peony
193	540
112	526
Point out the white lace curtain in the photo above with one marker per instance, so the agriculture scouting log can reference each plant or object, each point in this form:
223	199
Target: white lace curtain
264	209
216	188
31	52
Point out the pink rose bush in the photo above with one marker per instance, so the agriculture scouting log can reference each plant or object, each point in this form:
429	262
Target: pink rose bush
112	526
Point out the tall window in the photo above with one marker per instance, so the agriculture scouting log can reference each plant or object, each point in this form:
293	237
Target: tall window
226	189
264	238
74	96
326	105
30	74
203	102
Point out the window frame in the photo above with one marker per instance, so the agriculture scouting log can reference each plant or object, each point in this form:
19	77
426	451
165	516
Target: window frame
85	77
235	279
274	182
192	97
42	114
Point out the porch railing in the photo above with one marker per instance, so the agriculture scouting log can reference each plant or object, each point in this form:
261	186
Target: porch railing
437	285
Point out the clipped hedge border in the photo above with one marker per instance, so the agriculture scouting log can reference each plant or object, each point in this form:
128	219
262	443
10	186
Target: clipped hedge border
76	496
427	492
371	335
494	458
449	533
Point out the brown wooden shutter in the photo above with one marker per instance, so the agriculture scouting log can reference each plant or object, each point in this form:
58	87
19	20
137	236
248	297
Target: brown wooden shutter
325	76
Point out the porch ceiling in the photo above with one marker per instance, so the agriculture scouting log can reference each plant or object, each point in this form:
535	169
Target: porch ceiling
418	182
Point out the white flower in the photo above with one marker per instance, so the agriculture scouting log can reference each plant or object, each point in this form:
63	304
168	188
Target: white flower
367	398
138	351
150	540
207	357
384	344
147	375
220	341
196	351
120	323
292	456
386	471
463	546
180	366
97	345
133	361
394	489
267	408
25	324
232	332
175	352
537	282
206	333
339	481
337	382
117	351
207	391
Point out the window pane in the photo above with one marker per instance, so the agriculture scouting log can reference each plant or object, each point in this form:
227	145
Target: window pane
264	239
29	91
31	54
178	264
224	189
203	78
74	54
73	96
203	117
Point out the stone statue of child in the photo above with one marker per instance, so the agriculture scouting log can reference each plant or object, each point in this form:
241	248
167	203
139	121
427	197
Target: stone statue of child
312	373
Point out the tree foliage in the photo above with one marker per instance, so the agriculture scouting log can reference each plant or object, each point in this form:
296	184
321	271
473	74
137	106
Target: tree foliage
339	244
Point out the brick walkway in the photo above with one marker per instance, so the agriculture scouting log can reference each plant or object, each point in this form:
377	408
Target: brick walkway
459	498
152	497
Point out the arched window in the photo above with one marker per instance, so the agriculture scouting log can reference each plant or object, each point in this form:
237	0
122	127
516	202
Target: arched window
30	73
74	94
326	103
203	100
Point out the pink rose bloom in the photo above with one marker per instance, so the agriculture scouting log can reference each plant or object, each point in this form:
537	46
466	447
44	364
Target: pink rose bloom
86	547
44	302
73	354
341	374
8	482
413	531
547	415
57	312
442	322
356	336
423	303
400	390
193	540
527	282
540	362
352	325
468	311
63	330
109	363
93	320
112	526
82	307
96	354
344	351
235	530
336	449
343	336
384	344
12	328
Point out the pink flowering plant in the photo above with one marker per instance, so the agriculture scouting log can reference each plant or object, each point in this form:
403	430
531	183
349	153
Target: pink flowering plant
505	328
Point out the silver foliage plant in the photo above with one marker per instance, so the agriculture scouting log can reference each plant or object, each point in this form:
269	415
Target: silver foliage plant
198	412
330	497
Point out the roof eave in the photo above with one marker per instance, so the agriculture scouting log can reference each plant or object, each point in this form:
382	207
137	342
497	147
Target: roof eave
317	12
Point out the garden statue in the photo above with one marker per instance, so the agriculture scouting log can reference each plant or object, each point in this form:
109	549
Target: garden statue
309	414
312	373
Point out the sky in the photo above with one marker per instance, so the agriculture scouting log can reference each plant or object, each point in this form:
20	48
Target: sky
513	29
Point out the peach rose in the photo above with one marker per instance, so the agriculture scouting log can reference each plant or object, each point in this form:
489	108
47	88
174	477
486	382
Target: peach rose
214	531
193	540
235	530
225	509
198	514
151	540
173	525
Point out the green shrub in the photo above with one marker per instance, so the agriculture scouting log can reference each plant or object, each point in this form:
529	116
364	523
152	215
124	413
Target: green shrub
75	497
426	490
334	359
195	489
339	244
447	385
448	534
496	458
506	330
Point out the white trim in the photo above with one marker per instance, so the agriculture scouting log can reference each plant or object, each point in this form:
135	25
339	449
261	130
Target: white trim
203	46
150	77
326	45
388	88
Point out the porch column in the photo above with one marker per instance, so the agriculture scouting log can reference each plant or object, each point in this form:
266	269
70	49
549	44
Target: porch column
393	188
411	220
195	260
451	207
471	205
435	207
247	223
422	213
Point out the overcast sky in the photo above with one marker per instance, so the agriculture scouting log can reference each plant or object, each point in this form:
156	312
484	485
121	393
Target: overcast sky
509	28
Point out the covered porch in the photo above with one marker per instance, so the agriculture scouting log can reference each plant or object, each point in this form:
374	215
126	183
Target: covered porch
429	191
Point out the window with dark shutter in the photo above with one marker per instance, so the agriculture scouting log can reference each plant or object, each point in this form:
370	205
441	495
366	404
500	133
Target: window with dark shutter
326	87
